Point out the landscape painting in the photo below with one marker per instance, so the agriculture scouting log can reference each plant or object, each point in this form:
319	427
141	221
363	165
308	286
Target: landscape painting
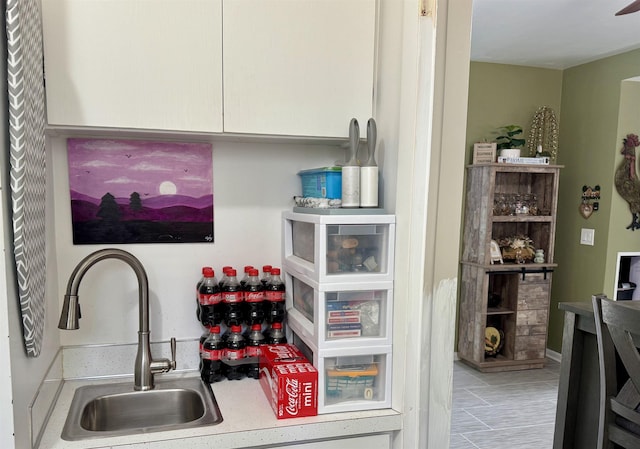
130	191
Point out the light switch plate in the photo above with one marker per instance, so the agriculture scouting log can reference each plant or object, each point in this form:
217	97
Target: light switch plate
587	236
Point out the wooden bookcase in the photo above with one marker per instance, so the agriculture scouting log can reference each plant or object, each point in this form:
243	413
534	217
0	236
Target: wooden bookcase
523	288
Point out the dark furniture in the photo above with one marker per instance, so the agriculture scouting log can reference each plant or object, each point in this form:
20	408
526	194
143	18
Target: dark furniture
579	387
616	324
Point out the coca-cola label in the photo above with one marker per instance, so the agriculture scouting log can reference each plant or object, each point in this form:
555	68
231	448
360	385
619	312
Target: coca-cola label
254	296
292	391
209	299
211	354
275	296
235	354
281	353
232	296
253	351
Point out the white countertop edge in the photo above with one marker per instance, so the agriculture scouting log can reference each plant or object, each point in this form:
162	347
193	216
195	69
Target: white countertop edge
248	420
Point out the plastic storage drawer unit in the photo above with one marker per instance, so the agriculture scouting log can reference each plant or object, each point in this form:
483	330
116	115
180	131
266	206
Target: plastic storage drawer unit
340	315
339	248
350	379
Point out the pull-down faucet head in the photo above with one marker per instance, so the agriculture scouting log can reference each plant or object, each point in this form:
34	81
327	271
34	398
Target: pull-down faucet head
70	316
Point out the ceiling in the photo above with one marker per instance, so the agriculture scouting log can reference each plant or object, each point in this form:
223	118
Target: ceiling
554	34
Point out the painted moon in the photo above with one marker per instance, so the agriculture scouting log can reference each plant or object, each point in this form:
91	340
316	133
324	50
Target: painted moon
167	188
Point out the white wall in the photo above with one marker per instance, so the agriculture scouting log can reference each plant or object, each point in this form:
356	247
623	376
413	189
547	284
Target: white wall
6	409
253	184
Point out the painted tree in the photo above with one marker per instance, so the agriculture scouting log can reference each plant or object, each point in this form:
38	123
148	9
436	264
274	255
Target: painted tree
108	210
135	203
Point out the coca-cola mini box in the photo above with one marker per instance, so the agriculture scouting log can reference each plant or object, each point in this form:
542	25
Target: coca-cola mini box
289	380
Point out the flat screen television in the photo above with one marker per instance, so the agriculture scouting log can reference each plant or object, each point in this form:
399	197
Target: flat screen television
627	276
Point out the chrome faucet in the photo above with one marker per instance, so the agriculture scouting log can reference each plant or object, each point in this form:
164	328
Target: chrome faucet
145	367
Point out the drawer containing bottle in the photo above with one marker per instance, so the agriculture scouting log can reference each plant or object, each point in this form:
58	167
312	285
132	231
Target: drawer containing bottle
340	315
339	248
350	379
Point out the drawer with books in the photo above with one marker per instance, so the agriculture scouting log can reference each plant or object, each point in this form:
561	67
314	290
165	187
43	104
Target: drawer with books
338	315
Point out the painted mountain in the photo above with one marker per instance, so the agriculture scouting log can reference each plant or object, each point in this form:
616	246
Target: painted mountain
141	218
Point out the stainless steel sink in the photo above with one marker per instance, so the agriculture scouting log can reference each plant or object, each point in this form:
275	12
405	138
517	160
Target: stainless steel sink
116	409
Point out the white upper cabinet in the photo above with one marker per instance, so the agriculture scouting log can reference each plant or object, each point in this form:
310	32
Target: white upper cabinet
151	64
288	67
298	67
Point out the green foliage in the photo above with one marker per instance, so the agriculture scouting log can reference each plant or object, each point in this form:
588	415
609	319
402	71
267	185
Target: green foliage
509	137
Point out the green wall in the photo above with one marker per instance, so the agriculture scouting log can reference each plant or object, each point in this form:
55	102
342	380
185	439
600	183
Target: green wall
590	142
507	94
592	120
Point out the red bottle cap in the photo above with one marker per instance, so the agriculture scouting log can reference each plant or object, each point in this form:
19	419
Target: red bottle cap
275	271
231	272
256	327
208	272
214	329
266	268
247	268
276	326
253	272
236	329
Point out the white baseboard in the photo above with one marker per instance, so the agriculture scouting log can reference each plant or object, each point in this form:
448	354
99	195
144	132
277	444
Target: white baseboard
553	355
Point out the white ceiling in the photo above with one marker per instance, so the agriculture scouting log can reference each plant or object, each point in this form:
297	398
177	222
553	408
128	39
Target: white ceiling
553	34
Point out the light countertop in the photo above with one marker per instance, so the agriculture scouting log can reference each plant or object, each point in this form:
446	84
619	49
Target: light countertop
248	420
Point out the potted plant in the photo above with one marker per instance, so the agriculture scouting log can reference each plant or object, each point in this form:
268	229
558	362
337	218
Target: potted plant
509	140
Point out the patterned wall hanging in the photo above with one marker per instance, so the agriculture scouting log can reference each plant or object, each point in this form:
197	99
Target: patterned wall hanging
27	164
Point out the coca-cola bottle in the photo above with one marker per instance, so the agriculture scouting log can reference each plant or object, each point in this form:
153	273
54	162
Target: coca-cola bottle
210	299
274	295
245	278
254	299
224	277
276	335
232	296
198	308
211	357
266	274
235	352
255	339
203	337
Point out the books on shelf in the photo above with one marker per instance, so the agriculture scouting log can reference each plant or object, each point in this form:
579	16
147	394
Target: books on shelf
524	160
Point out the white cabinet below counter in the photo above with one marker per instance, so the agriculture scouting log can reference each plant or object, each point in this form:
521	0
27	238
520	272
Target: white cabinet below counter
382	441
268	67
150	64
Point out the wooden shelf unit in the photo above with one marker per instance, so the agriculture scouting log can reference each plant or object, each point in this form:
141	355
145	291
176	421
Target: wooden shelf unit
524	289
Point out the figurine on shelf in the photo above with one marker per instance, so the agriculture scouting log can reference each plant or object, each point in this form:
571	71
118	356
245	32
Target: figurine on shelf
539	256
518	248
496	255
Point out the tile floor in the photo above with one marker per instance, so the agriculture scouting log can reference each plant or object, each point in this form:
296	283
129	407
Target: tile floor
514	409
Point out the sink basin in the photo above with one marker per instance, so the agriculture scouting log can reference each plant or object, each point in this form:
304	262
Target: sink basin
116	409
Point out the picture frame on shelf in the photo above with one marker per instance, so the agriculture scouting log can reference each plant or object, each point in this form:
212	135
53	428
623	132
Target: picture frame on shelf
484	152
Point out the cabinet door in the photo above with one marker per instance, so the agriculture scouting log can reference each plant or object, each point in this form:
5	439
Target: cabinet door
532	316
380	441
153	64
298	67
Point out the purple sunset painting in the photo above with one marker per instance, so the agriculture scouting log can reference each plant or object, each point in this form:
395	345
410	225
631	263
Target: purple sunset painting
137	191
